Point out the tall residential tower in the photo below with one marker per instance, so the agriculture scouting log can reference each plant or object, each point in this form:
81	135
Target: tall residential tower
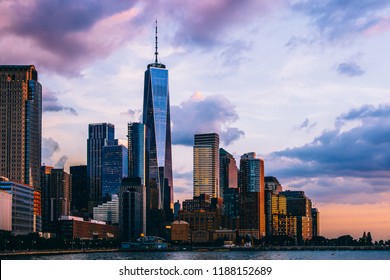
206	164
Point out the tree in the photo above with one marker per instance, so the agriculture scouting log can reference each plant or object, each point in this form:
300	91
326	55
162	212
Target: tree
369	239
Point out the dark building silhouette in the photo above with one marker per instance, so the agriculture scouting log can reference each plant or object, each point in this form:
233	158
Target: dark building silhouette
132	218
80	189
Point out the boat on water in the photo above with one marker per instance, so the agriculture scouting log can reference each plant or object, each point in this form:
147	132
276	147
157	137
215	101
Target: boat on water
146	243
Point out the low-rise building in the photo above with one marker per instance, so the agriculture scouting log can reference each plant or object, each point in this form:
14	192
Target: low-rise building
70	227
180	231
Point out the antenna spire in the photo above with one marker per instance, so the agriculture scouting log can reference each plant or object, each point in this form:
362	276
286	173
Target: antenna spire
156	52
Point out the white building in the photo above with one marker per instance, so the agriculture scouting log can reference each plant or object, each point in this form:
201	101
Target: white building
108	212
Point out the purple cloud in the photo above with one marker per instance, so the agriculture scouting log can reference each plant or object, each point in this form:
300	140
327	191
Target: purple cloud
337	19
50	103
350	69
67	36
355	160
202	115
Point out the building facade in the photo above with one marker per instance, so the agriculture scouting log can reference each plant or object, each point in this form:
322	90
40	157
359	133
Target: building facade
21	129
206	164
137	151
69	227
60	194
99	135
20	124
5	210
252	200
22	206
132	212
114	169
228	171
80	189
108	212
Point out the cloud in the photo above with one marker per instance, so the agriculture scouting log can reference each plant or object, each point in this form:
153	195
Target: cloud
305	125
61	162
343	160
64	36
49	147
50	103
202	115
67	36
207	23
337	19
350	69
133	115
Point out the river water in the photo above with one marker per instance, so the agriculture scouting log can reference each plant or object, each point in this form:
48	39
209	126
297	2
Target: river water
225	255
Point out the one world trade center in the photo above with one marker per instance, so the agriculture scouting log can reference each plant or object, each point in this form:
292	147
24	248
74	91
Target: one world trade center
157	119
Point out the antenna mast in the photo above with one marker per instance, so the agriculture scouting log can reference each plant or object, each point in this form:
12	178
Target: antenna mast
156	52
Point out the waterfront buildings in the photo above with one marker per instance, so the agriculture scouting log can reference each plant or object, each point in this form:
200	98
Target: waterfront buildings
114	169
157	118
69	227
21	129
206	164
300	206
180	231
99	135
23	220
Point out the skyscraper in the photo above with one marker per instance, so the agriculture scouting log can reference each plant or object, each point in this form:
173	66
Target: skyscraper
114	169
206	164
21	124
60	194
99	135
46	202
80	189
157	118
137	151
252	209
228	172
138	169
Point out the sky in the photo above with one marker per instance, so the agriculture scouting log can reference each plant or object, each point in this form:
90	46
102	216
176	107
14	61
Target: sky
303	83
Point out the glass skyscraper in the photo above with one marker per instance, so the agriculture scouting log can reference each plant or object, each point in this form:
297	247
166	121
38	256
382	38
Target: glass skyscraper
99	135
157	118
137	150
114	169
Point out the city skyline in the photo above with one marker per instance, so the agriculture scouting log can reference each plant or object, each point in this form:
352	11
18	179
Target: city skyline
302	88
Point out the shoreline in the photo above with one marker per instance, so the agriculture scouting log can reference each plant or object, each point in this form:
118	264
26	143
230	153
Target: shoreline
196	249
